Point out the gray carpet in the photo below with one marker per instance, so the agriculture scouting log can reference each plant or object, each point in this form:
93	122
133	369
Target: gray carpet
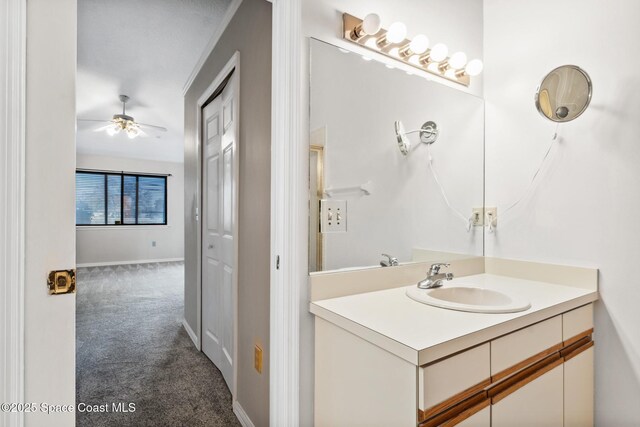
132	348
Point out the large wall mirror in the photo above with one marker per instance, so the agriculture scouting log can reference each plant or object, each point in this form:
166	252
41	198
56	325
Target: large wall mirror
367	197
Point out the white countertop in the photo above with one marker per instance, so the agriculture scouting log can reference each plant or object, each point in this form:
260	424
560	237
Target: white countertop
421	333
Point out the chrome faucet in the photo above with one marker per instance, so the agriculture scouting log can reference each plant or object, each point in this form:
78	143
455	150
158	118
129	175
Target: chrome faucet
434	277
391	261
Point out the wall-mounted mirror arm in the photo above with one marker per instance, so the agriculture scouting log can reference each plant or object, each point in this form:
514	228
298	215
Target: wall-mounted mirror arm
563	95
425	132
428	135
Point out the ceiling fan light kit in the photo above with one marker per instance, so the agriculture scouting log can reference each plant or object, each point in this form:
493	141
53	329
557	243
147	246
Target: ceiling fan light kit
125	123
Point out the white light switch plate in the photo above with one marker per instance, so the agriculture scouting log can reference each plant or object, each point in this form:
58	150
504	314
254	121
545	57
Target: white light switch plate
333	216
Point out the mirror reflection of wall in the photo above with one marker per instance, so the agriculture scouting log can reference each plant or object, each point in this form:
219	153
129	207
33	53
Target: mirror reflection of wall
391	203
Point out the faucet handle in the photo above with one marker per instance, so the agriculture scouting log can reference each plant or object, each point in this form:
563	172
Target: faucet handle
435	268
391	261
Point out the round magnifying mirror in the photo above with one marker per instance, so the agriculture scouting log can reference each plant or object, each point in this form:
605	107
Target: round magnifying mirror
564	93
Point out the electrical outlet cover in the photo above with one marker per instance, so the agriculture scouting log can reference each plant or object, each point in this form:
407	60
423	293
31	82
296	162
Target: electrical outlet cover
491	215
258	358
477	217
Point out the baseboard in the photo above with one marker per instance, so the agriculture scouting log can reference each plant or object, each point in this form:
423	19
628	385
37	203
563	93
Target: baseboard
141	261
242	415
192	334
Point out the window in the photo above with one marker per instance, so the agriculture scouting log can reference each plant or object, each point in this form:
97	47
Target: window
104	198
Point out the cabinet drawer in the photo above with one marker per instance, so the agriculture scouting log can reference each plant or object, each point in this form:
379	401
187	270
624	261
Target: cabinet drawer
577	321
445	382
518	349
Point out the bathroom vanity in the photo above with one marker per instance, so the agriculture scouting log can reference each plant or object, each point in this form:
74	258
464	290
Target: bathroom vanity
505	342
384	359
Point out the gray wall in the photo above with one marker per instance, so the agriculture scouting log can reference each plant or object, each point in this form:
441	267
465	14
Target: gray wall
96	245
249	32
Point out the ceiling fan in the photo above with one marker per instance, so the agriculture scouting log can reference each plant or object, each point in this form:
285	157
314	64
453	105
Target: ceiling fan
124	123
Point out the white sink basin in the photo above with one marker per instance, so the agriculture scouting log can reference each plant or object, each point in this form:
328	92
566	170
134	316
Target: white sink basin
472	299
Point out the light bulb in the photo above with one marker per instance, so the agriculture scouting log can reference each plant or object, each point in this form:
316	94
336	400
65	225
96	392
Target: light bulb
397	32
132	133
371	24
474	67
458	60
371	44
433	67
112	130
419	44
438	52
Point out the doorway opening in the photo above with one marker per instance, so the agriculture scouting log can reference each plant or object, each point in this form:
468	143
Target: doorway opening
134	349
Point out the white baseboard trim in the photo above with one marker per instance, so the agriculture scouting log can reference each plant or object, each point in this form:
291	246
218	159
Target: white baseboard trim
242	415
192	334
141	261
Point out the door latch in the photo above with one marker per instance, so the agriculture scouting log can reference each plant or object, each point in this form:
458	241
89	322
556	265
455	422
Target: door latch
61	282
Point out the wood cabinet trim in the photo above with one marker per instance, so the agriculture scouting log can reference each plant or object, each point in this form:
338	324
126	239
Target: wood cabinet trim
513	387
492	390
467	414
578	350
578	337
528	361
452	401
522	378
459	410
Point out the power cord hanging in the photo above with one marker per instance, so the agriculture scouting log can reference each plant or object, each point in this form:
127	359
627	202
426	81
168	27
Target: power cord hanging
467	221
530	187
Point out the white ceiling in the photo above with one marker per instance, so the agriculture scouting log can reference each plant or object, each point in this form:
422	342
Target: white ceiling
145	49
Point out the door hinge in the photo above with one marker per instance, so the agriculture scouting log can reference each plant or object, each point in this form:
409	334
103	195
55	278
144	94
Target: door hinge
277	262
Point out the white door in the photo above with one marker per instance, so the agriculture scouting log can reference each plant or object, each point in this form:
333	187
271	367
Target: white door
218	240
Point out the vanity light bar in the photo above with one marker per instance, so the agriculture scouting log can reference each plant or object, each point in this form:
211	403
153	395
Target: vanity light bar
435	61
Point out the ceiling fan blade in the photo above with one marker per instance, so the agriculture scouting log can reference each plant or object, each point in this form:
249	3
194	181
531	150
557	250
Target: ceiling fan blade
160	128
103	128
107	123
95	121
143	134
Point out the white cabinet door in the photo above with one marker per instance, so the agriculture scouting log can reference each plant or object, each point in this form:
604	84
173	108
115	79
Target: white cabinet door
539	403
578	390
479	419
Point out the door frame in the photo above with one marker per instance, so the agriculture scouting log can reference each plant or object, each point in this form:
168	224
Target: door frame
232	66
12	219
289	213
